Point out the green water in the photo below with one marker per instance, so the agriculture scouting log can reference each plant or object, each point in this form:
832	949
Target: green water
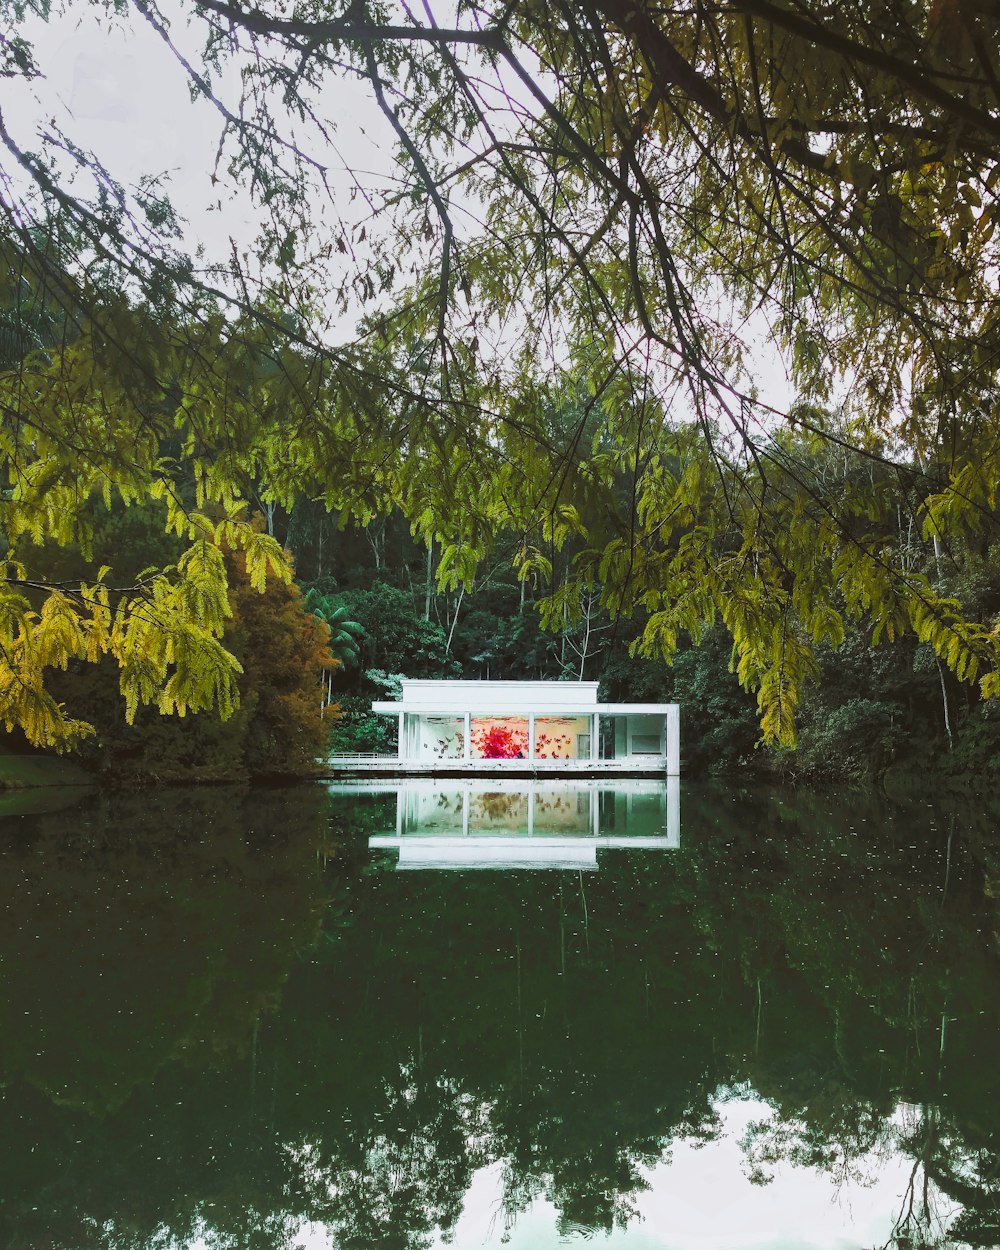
227	1022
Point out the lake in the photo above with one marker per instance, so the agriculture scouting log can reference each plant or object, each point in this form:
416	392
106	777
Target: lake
708	1019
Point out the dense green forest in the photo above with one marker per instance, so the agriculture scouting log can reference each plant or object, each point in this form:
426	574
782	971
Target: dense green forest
292	620
630	331
367	607
308	614
871	706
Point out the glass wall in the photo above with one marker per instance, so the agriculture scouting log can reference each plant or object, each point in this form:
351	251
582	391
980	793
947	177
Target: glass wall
562	737
438	737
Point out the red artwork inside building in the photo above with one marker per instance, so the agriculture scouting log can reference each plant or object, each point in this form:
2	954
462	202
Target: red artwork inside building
500	742
508	740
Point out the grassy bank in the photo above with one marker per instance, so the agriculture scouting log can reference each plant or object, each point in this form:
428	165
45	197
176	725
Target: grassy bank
24	772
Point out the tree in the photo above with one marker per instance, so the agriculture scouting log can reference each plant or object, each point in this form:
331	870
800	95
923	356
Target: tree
278	728
630	171
286	659
344	638
395	637
345	635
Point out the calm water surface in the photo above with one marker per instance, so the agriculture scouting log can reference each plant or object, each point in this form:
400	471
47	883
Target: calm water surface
232	1019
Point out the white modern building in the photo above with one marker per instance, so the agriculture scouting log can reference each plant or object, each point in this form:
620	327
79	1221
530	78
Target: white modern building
528	727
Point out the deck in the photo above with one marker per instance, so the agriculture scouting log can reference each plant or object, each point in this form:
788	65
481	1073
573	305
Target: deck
393	766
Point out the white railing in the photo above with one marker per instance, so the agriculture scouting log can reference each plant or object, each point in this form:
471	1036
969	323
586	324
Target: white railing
459	764
348	757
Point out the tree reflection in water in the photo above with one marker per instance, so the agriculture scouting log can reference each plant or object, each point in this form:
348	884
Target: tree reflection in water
223	1018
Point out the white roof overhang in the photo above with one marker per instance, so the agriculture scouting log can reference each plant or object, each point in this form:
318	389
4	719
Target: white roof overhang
541	709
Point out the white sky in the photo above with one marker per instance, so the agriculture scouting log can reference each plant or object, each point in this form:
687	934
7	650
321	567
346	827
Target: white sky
120	93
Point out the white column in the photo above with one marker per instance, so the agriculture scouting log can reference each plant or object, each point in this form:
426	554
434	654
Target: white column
531	809
465	810
674	741
467	738
400	741
594	728
531	735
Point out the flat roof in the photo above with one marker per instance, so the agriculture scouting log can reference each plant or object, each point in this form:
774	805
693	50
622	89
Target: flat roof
491	683
505	696
539	707
456	696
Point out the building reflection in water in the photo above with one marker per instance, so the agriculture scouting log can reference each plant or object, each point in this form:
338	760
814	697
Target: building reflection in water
507	823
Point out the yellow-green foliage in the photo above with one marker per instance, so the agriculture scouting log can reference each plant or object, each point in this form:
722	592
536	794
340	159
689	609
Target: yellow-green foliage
75	432
783	540
572	358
